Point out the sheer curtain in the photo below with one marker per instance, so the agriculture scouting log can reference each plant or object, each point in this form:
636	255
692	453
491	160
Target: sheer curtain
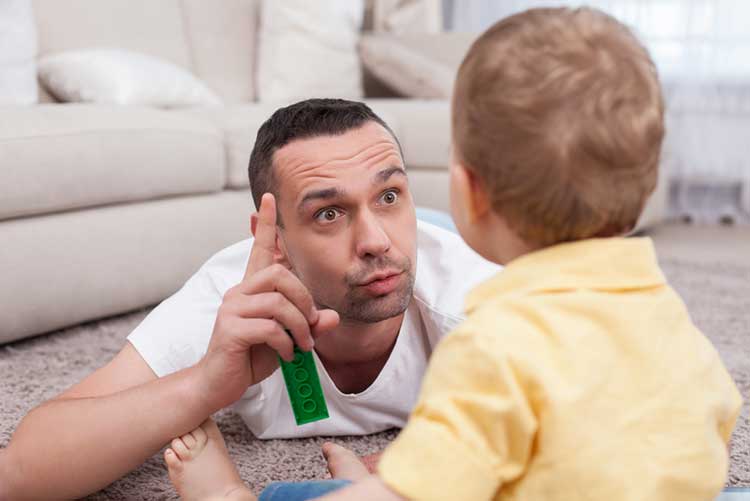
702	50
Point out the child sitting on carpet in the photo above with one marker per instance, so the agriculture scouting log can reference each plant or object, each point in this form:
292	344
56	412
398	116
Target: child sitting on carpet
577	373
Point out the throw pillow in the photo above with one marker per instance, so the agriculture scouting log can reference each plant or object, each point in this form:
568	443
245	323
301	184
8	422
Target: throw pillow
309	49
116	76
418	65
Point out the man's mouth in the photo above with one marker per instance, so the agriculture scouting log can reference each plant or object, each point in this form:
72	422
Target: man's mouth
381	275
382	283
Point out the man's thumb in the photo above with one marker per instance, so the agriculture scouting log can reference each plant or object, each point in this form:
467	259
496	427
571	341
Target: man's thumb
327	321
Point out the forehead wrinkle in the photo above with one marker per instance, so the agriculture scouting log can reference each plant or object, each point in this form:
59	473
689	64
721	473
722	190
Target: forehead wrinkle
308	173
372	153
379	177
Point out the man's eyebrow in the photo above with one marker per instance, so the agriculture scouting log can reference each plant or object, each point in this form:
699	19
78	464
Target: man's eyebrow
385	174
334	193
325	194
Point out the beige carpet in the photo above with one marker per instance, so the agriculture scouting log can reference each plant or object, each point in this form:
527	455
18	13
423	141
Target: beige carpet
31	371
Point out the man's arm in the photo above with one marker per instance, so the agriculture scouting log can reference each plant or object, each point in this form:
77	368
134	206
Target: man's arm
99	429
122	414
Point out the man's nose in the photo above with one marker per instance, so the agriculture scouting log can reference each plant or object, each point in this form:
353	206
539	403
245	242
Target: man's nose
370	237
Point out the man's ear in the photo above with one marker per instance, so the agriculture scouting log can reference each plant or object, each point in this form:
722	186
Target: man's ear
472	192
279	253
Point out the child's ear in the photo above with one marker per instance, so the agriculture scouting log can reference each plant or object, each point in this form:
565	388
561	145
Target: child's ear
473	192
279	253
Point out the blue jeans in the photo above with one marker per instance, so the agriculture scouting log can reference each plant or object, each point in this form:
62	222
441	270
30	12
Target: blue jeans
735	494
300	491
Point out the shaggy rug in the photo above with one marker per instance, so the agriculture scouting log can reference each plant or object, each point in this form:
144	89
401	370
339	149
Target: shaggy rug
31	371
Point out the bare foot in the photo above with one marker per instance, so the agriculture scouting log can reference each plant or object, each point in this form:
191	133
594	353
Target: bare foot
343	463
371	461
200	467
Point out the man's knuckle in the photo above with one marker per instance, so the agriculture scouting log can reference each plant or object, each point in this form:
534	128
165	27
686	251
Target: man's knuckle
227	326
278	271
277	300
269	328
227	309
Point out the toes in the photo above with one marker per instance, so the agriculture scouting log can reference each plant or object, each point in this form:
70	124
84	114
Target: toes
343	463
332	450
179	447
210	428
212	432
200	436
371	461
173	462
189	440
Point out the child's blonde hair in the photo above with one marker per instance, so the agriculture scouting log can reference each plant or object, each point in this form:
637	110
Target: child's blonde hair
560	114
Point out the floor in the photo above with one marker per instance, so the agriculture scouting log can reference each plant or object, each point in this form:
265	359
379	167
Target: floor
703	243
34	370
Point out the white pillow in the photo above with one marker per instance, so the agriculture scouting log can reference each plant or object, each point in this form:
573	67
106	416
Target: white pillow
116	76
18	46
309	49
419	65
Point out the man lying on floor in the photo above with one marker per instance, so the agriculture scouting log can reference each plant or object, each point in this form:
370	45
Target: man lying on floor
351	273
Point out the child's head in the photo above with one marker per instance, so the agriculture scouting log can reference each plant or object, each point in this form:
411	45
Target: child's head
557	129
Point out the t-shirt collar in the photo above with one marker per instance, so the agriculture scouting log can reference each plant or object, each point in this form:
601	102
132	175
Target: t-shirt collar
606	264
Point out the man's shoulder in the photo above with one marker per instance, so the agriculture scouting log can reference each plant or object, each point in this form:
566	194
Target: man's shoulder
227	266
438	241
176	332
447	269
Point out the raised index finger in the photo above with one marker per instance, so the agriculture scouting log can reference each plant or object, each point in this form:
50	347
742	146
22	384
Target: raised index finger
264	245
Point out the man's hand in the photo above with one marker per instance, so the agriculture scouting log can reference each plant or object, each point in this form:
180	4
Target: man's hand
249	328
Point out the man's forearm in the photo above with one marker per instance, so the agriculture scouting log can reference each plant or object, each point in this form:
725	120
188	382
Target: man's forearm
69	448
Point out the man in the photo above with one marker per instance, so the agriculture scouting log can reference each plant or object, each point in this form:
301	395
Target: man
349	272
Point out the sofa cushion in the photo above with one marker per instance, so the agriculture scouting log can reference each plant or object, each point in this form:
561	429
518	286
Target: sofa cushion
62	269
309	49
223	45
421	65
422	126
60	157
17	53
154	28
240	125
217	44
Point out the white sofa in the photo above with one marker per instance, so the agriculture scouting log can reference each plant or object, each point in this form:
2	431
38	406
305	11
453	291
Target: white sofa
106	209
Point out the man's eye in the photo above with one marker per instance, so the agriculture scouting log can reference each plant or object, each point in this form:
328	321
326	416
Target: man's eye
389	197
327	215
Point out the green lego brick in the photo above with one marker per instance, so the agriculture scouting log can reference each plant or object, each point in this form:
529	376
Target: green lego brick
303	387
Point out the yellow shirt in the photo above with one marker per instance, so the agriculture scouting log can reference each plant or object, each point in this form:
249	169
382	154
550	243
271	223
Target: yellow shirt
577	375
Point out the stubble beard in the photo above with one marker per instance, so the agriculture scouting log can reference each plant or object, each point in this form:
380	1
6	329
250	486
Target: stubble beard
358	306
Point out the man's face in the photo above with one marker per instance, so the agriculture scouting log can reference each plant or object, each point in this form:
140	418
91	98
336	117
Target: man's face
349	227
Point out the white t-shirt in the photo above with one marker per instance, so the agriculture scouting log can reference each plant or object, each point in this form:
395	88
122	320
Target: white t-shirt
176	333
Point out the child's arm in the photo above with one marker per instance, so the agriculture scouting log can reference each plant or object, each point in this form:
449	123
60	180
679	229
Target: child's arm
471	431
371	488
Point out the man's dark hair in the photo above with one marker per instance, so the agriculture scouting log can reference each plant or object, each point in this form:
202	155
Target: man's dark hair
305	119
